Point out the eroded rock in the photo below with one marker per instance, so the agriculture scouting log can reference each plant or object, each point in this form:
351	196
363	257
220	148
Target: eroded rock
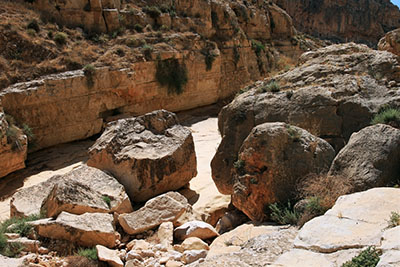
109	255
198	229
89	229
272	159
164	208
149	154
370	158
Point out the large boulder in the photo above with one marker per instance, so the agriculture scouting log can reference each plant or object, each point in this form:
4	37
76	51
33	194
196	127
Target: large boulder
370	158
333	93
149	154
272	159
13	146
164	208
89	229
28	201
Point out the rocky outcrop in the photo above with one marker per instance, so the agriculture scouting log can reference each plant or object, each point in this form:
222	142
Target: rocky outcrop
93	15
363	21
150	154
28	201
13	146
355	222
271	161
164	208
391	42
370	158
250	245
89	229
333	93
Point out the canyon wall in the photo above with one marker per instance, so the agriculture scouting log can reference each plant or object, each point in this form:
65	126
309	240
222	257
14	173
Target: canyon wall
364	21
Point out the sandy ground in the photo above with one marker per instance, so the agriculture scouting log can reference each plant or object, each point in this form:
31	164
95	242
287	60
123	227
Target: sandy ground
60	159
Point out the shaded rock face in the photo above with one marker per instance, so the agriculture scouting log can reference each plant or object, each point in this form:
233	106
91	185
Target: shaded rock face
13	146
370	158
28	201
334	93
354	223
164	208
363	21
272	159
391	42
149	155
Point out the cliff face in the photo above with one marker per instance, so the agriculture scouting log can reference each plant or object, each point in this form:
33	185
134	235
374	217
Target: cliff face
363	21
220	47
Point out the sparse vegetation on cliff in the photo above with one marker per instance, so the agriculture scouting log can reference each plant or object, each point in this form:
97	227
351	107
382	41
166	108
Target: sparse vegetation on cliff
172	74
90	253
390	116
367	258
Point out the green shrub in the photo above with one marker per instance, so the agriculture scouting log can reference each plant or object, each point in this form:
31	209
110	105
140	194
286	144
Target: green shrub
394	220
90	253
272	86
12	134
147	51
34	25
236	55
367	258
209	58
257	46
152	11
294	134
31	32
107	199
172	74
390	116
60	38
283	214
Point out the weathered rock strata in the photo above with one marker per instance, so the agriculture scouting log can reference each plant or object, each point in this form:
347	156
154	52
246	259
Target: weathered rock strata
334	93
390	42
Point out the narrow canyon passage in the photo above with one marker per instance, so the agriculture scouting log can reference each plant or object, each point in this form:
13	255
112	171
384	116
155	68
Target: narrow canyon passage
60	159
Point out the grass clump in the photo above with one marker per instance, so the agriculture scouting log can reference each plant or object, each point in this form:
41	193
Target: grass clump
394	219
390	116
172	74
209	58
294	134
283	214
152	11
138	27
271	86
367	258
258	47
89	253
60	38
33	25
147	51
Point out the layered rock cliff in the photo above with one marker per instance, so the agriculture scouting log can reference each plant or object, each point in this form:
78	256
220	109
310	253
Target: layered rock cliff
362	21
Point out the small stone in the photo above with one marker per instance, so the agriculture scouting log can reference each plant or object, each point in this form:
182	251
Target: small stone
134	263
194	243
133	255
190	256
109	255
138	244
43	250
165	234
172	263
198	229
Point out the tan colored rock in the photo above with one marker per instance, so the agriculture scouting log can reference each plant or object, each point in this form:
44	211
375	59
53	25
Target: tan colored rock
28	245
389	258
149	154
109	255
271	162
138	244
5	261
198	229
165	234
13	146
73	197
28	201
172	263
190	256
164	208
300	257
131	255
194	243
390	239
88	229
134	263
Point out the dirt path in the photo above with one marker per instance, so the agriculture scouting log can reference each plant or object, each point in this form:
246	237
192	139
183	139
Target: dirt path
60	159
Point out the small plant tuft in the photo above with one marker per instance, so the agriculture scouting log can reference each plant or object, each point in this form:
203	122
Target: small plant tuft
367	258
107	199
89	71
271	86
258	47
390	116
152	11
34	25
90	253
60	38
394	219
294	134
282	214
172	74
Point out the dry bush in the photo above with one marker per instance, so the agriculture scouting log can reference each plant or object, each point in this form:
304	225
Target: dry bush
321	193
